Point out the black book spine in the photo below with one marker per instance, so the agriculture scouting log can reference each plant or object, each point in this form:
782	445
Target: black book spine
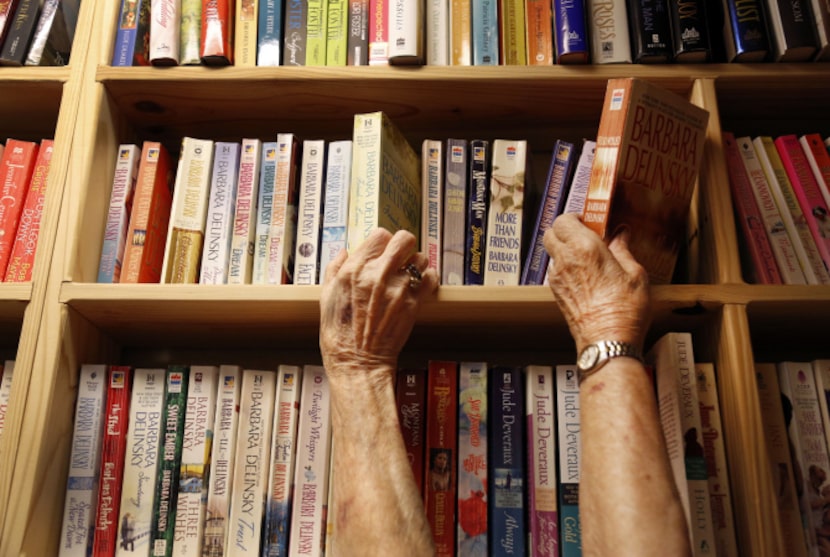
650	31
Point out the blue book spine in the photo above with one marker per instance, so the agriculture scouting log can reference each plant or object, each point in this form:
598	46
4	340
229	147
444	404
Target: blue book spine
133	22
570	31
748	25
269	36
556	191
570	451
478	201
506	475
485	33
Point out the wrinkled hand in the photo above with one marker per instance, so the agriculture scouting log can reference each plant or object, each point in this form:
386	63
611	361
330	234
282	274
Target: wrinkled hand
602	291
367	308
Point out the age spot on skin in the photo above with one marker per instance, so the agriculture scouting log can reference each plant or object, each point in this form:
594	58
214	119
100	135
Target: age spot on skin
346	314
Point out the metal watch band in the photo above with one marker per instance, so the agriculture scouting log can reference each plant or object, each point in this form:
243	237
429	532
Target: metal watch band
596	355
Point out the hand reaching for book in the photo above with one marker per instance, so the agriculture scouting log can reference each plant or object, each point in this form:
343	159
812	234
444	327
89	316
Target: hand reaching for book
602	291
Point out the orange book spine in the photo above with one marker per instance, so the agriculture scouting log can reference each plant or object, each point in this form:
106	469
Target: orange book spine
217	32
16	170
461	33
539	30
146	236
25	242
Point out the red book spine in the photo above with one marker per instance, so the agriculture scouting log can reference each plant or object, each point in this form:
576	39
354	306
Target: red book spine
217	32
378	33
749	216
113	450
16	170
28	229
815	144
410	393
441	466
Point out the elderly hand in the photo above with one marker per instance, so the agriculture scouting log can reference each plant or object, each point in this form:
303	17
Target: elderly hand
368	308
602	291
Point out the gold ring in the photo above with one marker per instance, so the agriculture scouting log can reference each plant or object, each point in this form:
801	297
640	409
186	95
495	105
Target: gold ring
414	275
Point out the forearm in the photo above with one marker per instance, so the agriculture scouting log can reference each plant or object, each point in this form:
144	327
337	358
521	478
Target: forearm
624	461
379	510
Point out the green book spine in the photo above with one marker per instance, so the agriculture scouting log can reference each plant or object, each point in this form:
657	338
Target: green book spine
337	32
190	32
316	33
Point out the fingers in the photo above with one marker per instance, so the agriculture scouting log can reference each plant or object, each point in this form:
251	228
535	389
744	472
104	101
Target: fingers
334	266
619	249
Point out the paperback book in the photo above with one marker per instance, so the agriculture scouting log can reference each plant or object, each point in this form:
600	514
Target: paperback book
455	211
219	224
432	213
410	397
478	203
265	204
118	215
241	263
540	407
473	411
312	175
569	444
336	202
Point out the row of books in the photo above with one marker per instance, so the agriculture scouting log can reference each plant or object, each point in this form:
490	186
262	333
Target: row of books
6	373
37	33
25	169
793	398
781	192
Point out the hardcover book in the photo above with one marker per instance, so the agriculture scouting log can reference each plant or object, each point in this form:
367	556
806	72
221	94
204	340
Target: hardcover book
121	203
269	35
512	32
245	33
190	33
570	452
821	13
478	203
410	397
84	463
690	31
244	211
283	212
570	32
575	202
455	212
336	202
540	408
132	37
307	253
650	30
21	27
406	33
7	8
608	32
793	30
337	32
17	166
316	23
649	150
357	53
216	35
485	21
745	31
473	412
538	16
165	32
52	41
265	202
294	43
219	224
378	32
437	22
460	29
432	195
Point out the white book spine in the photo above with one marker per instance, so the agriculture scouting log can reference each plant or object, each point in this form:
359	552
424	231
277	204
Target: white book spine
504	219
141	463
253	450
336	204
241	264
225	425
437	19
406	39
575	201
608	24
569	444
283	211
780	240
454	236
819	176
267	175
84	463
541	431
218	228
432	178
5	391
195	463
311	470
821	13
165	29
118	215
306	257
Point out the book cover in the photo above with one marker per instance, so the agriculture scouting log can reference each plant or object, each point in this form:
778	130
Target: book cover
21	27
135	513
556	190
269	34
111	466
512	32
720	495
410	398
283	212
337	32
217	32
793	31
477	206
188	214
758	251
677	399
570	32
78	527
190	33
471	534
485	20
437	23
16	169
540	408
22	256
252	455
385	188
569	444
118	215
357	42
608	32
782	244
819	159
165	32
265	199
311	469
194	469
147	232
336	202
294	42
222	461
244	211
779	450
132	37
245	33
650	31
219	221
316	30
283	455
455	212
378	32
690	31
575	202
745	31
538	14
503	257
460	29
52	40
307	254
5	391
649	151
432	212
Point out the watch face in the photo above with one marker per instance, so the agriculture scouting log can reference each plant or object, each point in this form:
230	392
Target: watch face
588	357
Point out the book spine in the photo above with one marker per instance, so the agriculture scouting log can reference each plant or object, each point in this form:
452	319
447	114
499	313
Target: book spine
283	212
819	159
336	203
556	189
485	21
267	176
337	32
216	35
245	33
121	202
437	21
5	391
575	202
570	32
504	223
240	266
311	470
460	30
190	32
269	36
34	54
471	535
538	14
194	470
410	397
22	256
821	13
406	35
222	462
570	452
540	407
357	52
283	455
253	448
78	526
608	32
441	457
294	47
307	255
690	31
21	27
365	168
745	31
135	517
316	31
219	224
132	20
477	209
512	33
16	169
455	211
165	31
648	22
7	8
432	178
378	32
793	30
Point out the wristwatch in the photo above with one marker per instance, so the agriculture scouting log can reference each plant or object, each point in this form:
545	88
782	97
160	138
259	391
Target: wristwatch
596	355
